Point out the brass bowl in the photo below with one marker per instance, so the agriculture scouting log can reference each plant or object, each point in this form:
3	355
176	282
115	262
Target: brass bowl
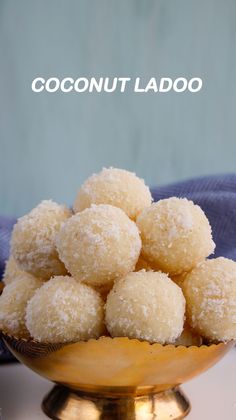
116	378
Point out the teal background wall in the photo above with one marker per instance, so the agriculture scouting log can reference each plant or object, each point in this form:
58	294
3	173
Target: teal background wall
50	143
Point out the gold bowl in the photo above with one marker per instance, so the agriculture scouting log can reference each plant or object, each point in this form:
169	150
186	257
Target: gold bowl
116	378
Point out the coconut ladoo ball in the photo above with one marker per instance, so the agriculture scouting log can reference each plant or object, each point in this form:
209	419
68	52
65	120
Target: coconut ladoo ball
33	237
146	305
188	338
117	187
22	275
210	292
176	235
13	302
99	245
12	270
73	312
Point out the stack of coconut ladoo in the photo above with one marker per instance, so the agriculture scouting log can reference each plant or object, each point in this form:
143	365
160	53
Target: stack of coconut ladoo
117	265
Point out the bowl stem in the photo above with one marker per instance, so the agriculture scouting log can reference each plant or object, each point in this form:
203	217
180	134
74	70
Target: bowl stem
66	404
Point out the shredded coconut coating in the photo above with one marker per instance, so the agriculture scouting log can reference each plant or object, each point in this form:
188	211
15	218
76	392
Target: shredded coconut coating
13	302
33	237
210	292
64	310
189	338
146	305
15	274
13	271
99	244
176	235
117	187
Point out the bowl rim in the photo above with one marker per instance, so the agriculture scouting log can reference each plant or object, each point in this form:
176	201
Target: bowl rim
113	339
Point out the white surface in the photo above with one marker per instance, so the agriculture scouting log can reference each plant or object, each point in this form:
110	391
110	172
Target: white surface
213	394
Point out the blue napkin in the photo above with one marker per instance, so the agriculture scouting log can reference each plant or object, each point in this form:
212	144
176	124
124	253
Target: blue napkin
6	225
215	194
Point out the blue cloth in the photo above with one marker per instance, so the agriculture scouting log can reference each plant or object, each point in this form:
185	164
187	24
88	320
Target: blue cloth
6	225
215	194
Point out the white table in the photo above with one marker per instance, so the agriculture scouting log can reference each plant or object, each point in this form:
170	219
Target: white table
213	394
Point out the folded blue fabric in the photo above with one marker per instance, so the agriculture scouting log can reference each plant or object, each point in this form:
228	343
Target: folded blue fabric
215	194
6	225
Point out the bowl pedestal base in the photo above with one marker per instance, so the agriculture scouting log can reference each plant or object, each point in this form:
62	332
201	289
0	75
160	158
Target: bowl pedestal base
66	404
